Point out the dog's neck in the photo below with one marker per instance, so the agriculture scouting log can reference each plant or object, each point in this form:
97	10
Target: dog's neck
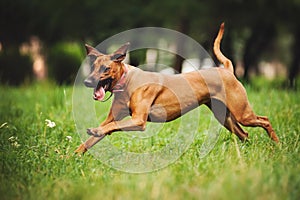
119	87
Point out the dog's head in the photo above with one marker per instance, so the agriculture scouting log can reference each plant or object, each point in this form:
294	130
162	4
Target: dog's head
106	70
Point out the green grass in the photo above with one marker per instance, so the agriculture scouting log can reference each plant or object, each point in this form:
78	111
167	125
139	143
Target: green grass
37	162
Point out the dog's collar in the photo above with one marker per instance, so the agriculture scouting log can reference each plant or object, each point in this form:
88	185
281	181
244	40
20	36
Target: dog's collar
119	87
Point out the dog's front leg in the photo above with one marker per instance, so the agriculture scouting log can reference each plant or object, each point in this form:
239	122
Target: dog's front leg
140	104
91	141
133	124
99	133
137	122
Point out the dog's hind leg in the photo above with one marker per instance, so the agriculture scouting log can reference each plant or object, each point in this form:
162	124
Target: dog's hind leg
260	121
225	117
239	106
244	115
232	125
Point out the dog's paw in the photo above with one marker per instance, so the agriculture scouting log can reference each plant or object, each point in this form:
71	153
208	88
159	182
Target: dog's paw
96	132
91	131
80	150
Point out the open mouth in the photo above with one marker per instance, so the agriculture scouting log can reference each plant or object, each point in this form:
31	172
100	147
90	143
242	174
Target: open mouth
102	87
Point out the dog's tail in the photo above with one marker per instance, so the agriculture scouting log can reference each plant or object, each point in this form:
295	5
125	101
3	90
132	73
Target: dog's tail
223	59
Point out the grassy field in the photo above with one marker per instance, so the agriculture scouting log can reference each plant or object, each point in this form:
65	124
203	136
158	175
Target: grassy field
37	162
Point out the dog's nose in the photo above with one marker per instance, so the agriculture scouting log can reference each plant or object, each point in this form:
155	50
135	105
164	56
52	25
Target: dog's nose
88	82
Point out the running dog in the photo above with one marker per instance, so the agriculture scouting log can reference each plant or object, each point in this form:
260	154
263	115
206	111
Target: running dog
149	96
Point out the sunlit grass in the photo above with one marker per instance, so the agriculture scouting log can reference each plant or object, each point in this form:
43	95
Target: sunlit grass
37	161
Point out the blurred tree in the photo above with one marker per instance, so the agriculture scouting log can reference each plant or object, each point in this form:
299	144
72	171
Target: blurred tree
64	60
15	68
14	18
292	14
186	17
53	21
14	15
295	65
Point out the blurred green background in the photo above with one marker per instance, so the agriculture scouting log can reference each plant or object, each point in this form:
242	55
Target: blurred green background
44	39
42	47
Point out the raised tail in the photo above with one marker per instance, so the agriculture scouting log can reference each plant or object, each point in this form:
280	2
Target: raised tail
223	59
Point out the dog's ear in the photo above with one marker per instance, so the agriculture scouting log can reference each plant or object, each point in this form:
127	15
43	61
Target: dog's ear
91	51
120	54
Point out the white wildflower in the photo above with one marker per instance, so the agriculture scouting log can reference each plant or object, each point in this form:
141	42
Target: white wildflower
14	141
12	138
49	123
69	138
15	144
3	125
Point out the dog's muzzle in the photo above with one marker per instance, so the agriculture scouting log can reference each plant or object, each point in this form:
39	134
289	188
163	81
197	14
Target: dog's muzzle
99	88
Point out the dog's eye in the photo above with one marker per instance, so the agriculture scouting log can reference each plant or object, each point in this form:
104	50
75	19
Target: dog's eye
106	69
103	69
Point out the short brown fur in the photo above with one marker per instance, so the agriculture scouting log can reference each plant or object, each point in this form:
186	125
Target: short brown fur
149	96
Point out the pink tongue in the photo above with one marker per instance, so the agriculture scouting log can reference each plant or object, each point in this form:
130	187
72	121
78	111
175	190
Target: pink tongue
99	94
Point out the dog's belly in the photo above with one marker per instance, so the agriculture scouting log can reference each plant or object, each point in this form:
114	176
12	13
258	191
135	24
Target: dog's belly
165	114
177	97
168	107
160	113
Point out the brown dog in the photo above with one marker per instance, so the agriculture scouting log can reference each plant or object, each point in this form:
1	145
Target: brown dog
148	96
